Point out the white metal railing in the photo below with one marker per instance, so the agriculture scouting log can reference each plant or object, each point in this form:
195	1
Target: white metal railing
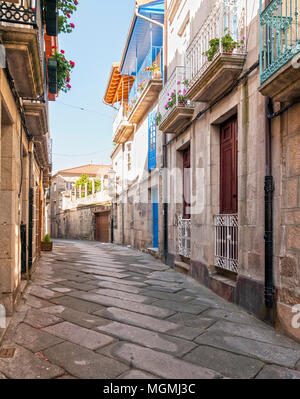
71	201
226	242
120	118
184	237
226	16
174	93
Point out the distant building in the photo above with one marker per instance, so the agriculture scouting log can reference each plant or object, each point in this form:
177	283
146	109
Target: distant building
76	213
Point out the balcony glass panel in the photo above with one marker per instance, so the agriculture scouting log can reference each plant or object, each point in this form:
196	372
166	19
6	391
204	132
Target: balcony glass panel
279	35
154	60
225	17
121	117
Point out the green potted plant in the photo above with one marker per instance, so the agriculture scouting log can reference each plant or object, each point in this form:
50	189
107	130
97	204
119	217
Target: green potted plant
64	68
47	244
228	45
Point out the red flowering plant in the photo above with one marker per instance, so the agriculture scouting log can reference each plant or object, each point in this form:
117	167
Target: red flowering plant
66	9
64	69
153	68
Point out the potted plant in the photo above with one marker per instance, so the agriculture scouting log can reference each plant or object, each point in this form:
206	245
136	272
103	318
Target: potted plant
64	68
47	244
158	119
228	45
155	70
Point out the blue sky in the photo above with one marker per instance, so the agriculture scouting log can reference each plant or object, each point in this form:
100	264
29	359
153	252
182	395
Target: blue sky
80	137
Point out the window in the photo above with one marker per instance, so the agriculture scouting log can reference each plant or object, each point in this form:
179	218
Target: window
128	152
152	140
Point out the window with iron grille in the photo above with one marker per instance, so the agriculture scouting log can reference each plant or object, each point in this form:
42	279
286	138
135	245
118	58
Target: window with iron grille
152	140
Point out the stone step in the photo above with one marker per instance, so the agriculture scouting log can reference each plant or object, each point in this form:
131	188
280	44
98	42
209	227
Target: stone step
182	267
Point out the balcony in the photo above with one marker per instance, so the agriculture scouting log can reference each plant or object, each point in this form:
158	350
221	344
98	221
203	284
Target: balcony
211	75
36	117
146	86
21	28
175	110
279	50
122	129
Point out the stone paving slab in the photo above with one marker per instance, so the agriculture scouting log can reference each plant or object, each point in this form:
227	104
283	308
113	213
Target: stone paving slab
164	295
34	339
79	335
237	316
26	365
255	333
137	375
124	281
147	338
38	319
225	363
44	293
84	363
124	295
181	307
161	364
123	304
77	304
183	331
73	316
266	352
278	373
138	320
120	287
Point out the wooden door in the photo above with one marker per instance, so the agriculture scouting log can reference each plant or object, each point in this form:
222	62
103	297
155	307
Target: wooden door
186	183
102	227
228	172
155	218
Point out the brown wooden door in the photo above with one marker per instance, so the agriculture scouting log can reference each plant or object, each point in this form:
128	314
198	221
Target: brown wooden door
186	184
102	227
228	163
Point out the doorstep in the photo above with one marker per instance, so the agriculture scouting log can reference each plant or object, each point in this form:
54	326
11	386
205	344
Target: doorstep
223	286
153	252
182	267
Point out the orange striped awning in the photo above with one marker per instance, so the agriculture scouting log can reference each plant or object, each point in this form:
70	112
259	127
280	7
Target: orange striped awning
118	86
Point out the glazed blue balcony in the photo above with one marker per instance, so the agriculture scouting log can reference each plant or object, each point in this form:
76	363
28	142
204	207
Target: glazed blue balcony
144	76
279	35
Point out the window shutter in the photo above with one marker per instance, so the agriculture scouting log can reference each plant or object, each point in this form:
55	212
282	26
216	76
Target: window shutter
152	140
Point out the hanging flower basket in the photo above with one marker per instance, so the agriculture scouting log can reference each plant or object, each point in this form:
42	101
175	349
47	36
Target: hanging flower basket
52	75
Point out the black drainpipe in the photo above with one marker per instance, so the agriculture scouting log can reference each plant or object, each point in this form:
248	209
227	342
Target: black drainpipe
269	195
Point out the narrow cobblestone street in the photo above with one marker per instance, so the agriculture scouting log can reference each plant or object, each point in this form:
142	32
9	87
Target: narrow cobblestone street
101	311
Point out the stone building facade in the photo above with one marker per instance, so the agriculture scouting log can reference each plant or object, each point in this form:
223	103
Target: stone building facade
74	212
227	159
25	146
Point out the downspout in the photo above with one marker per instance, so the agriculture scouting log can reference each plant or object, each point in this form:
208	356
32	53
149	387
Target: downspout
269	195
165	153
146	18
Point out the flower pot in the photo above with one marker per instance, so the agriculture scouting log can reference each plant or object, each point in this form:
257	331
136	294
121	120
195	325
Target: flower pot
228	51
52	25
52	75
156	75
46	246
182	103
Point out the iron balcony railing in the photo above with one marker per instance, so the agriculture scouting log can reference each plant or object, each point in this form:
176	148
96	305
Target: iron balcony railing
174	94
19	12
184	237
226	242
279	35
225	17
144	75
